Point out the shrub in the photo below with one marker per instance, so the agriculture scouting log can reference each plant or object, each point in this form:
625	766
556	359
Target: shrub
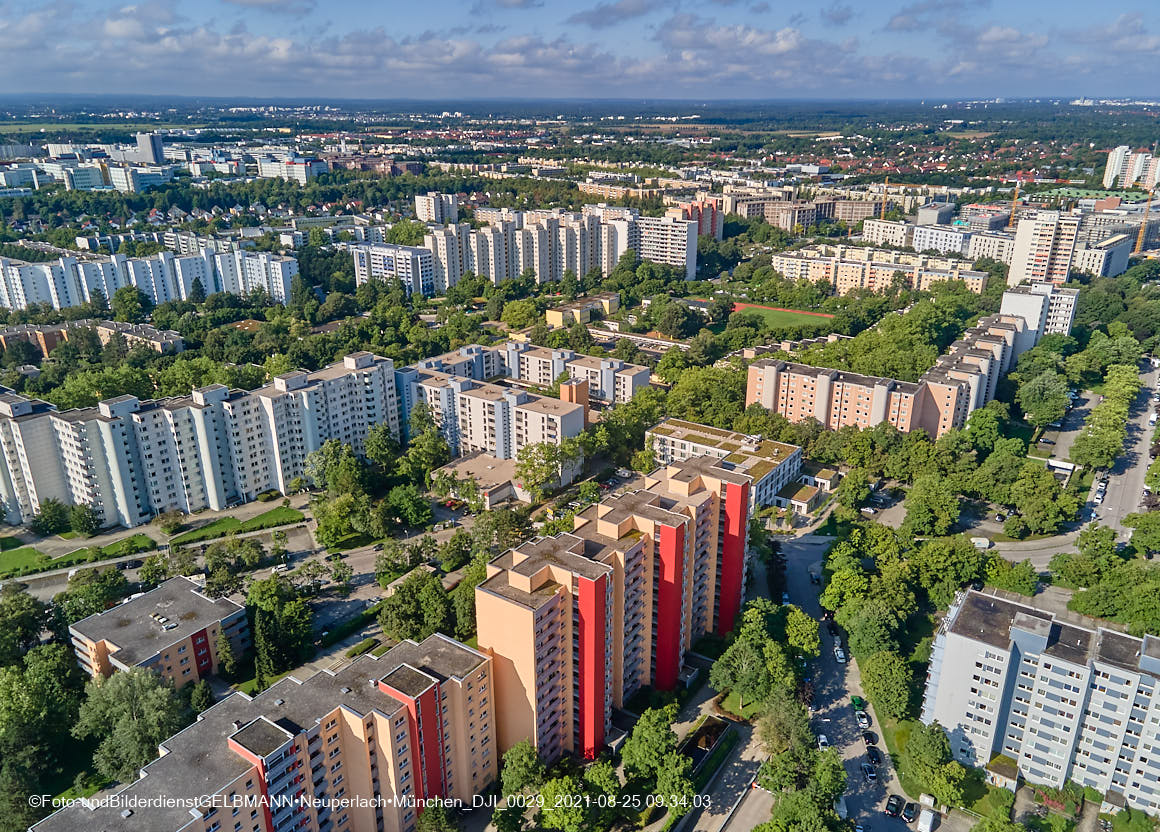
364	646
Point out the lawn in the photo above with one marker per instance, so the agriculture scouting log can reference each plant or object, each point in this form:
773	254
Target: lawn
280	516
783	317
24	558
895	733
250	686
985	800
732	704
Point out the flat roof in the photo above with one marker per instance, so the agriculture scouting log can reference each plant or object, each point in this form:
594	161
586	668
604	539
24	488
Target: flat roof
143	626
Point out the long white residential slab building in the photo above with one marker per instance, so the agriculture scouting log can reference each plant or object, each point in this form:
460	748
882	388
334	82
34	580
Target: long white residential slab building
132	459
1060	696
164	276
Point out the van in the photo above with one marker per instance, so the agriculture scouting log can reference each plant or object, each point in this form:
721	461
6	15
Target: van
981	543
926	820
840	807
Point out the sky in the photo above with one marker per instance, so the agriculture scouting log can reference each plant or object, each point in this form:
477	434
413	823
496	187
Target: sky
592	49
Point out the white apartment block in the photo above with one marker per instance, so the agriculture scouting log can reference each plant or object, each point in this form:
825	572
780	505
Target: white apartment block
1044	248
164	276
1126	168
412	266
995	245
610	380
292	169
133	179
448	246
241	272
945	239
670	241
1062	696
846	268
887	233
498	421
1045	307
132	459
436	208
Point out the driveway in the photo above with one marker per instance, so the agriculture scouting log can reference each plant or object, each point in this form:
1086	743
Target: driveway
1071	425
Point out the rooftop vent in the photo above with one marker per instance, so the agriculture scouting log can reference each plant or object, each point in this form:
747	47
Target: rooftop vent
279	702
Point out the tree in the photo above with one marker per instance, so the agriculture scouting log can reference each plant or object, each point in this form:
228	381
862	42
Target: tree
170	522
563	807
39	698
742	669
538	467
341	572
886	678
129	714
200	696
784	724
1044	398
1022	577
84	520
409	505
644	461
1145	531
522	768
436	818
227	662
418	607
927	759
53	518
652	740
932	506
130	304
675	783
854	489
22	618
90	591
801	633
154	570
382	449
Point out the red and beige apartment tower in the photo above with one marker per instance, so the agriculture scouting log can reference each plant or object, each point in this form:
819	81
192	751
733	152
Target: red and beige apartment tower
577	623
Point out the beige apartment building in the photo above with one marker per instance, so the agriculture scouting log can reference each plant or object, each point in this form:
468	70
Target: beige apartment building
172	630
1044	247
361	749
610	380
576	623
581	310
888	233
846	268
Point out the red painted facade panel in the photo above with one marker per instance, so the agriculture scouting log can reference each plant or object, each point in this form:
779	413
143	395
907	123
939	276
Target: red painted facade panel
592	663
426	756
671	566
202	656
731	581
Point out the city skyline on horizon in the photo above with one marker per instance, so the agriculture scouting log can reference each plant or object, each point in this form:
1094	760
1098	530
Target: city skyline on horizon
733	50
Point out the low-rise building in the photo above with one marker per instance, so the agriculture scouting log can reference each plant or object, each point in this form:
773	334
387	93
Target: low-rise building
173	630
582	309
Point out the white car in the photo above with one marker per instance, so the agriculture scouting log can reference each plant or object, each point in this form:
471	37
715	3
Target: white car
823	742
839	655
1099	498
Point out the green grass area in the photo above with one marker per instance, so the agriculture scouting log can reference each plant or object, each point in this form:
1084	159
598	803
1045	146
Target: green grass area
10	542
985	800
473	642
351	541
364	646
732	704
68	535
19	561
780	317
895	733
280	516
250	686
139	542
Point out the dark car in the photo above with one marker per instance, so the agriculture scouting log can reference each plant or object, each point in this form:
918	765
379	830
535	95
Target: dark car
134	564
868	773
832	627
873	755
893	806
869	738
863	719
910	812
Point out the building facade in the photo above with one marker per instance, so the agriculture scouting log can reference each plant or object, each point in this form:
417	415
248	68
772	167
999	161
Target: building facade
578	622
361	749
1044	248
1063	697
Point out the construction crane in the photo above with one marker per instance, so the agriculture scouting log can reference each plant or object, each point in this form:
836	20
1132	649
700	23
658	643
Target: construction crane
1144	223
1014	204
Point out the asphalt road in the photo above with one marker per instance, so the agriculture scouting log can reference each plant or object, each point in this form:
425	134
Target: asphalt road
1126	479
832	715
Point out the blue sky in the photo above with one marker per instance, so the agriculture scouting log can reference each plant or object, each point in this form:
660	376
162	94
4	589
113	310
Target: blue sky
458	49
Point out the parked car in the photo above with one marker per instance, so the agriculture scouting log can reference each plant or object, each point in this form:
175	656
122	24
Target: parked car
870	511
1099	498
910	812
785	597
893	806
869	738
873	755
858	702
839	655
832	627
863	719
868	773
1046	442
823	742
1000	517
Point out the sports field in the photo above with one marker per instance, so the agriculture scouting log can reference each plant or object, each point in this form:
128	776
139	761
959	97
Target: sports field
781	317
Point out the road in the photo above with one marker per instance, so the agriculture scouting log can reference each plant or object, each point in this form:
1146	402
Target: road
834	683
1071	425
1126	479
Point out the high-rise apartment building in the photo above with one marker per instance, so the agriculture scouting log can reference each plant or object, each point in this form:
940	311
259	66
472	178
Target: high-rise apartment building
1045	307
1059	696
1127	167
610	380
707	211
131	459
888	233
576	623
172	629
292	168
362	748
436	208
137	178
412	266
1044	247
945	239
241	272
